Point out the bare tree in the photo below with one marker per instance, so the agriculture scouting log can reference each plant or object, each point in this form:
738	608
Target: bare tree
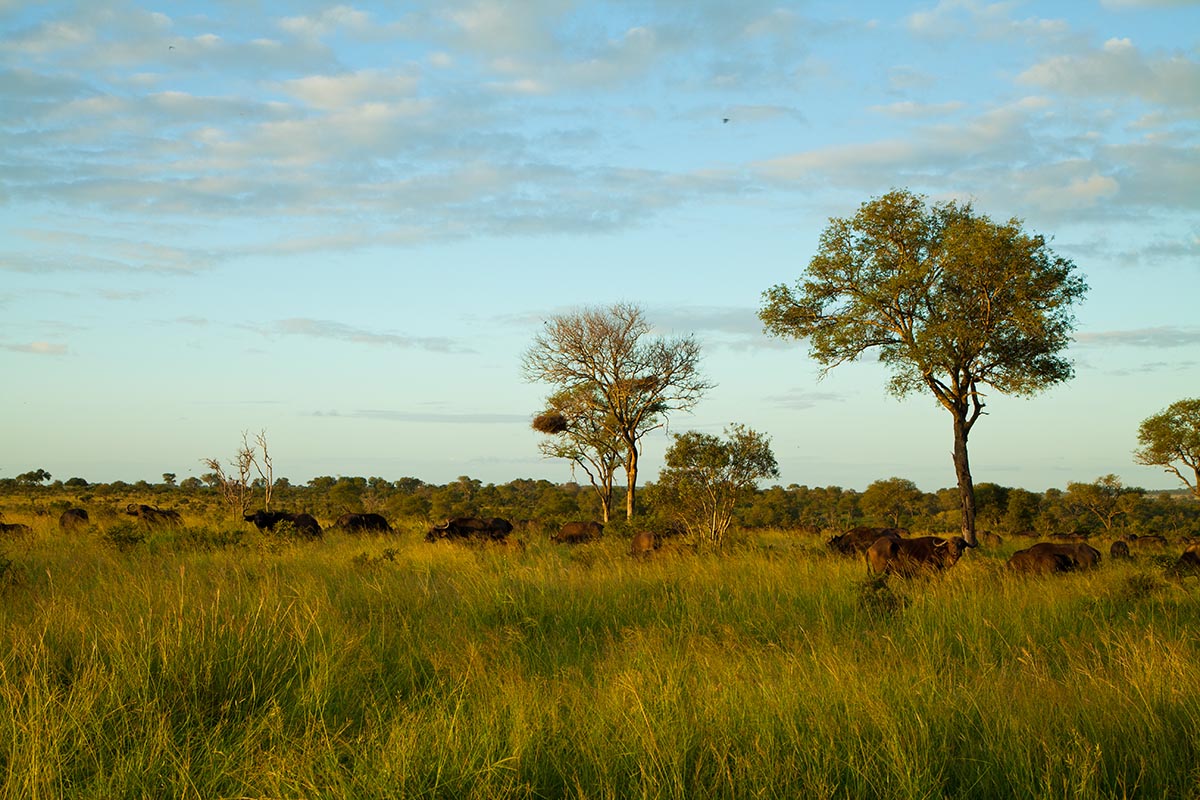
235	486
264	467
634	379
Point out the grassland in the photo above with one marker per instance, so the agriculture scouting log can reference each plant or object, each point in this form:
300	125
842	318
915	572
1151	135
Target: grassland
217	663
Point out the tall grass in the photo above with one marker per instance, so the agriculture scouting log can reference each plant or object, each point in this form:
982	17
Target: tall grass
203	664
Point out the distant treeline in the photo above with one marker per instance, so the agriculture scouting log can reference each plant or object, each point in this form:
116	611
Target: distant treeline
1103	506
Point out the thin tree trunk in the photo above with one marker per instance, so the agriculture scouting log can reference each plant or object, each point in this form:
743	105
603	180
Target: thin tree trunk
966	489
631	468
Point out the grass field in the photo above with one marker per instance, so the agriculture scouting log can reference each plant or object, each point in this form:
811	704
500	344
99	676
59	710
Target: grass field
220	664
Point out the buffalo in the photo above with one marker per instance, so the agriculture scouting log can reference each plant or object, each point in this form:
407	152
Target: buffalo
1152	542
1118	550
359	523
858	540
578	532
153	516
73	519
1040	562
15	529
1189	560
642	544
471	528
909	557
1082	556
305	524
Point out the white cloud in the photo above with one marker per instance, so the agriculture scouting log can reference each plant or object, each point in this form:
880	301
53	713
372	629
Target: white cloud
1122	4
326	22
337	331
958	18
1119	69
1161	337
37	348
911	110
373	86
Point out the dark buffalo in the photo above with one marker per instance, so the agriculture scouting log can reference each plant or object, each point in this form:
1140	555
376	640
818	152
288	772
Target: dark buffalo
1040	562
1152	542
578	532
15	529
642	544
910	557
1119	550
267	520
1189	560
1083	556
471	528
859	540
360	523
73	519
153	516
304	524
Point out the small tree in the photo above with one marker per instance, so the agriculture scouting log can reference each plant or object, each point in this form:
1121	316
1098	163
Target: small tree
580	429
235	487
1170	436
1106	499
34	477
706	477
633	379
894	500
952	301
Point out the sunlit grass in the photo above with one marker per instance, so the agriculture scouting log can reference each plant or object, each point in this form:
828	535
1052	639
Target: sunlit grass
200	664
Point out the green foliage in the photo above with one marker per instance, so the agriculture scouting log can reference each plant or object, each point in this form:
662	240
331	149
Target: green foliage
1105	500
706	477
33	477
895	501
949	298
951	302
1170	436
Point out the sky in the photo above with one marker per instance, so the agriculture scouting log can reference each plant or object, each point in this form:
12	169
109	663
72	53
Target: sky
343	224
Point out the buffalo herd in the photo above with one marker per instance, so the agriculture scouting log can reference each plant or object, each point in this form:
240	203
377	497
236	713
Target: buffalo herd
886	551
891	551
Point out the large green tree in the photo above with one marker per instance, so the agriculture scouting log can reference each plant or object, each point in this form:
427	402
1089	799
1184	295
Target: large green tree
952	302
1173	436
634	378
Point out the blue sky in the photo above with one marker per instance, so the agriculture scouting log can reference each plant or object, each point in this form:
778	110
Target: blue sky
344	224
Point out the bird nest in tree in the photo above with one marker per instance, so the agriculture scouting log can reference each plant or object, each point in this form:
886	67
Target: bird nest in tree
551	422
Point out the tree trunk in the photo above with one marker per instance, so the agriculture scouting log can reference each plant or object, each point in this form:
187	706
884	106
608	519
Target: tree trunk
631	468
966	489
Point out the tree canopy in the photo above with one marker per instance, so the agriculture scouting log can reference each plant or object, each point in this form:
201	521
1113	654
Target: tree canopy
950	300
706	477
1173	436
